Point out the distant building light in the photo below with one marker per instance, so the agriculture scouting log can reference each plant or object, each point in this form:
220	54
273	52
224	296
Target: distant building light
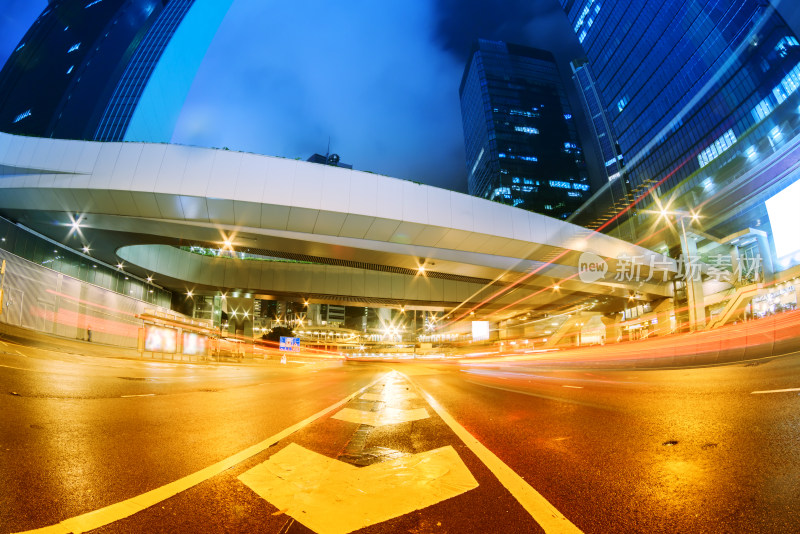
73	48
567	116
784	44
90	4
23	115
20	47
527	129
560	184
720	145
750	152
622	103
70	69
524	158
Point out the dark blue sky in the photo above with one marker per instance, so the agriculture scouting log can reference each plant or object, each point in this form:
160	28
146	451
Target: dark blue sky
379	78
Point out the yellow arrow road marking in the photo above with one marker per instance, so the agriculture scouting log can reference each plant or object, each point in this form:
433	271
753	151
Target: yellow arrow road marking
121	510
387	416
333	497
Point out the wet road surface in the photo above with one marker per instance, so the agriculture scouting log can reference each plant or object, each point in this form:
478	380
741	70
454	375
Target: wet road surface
338	447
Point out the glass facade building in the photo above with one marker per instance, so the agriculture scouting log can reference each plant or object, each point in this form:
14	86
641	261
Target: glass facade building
703	98
521	141
598	119
106	70
55	82
119	110
56	257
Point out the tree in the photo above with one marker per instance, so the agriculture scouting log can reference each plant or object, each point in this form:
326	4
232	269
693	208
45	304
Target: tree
276	333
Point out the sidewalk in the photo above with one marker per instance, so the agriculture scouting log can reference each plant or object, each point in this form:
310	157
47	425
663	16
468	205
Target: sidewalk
75	347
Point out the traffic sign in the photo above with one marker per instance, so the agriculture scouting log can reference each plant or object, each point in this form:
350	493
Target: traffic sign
290	343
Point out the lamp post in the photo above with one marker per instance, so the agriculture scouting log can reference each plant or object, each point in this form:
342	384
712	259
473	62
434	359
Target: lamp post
2	284
693	281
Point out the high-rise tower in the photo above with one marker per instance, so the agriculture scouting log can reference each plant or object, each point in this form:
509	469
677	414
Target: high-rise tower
520	138
106	69
700	95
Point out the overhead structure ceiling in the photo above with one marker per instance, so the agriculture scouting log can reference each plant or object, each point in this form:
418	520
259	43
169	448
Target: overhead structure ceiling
310	230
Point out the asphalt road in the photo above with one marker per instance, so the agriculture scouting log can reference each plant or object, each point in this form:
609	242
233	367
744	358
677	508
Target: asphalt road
692	450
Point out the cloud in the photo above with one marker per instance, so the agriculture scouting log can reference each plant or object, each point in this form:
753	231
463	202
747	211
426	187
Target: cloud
15	19
369	75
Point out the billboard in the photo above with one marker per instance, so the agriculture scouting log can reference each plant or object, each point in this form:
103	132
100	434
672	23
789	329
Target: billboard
194	344
290	343
480	330
160	339
782	210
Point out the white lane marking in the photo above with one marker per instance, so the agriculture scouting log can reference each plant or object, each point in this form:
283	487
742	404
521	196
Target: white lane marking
329	496
788	390
573	387
142	395
549	518
23	369
541	396
121	510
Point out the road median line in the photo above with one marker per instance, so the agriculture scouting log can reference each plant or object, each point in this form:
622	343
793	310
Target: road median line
540	509
126	508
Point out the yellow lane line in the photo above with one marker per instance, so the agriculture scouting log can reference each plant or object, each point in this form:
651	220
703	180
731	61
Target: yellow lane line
127	508
544	513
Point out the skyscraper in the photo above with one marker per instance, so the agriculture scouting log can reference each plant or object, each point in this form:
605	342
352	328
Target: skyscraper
106	69
700	94
613	160
521	141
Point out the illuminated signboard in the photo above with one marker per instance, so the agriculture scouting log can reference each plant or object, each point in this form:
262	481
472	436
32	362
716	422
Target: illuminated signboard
194	344
290	343
782	210
480	330
160	339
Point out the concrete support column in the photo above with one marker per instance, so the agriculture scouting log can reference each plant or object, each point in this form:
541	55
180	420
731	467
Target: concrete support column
663	312
766	256
694	285
736	262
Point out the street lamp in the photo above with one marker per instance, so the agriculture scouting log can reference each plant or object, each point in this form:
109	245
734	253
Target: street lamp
696	312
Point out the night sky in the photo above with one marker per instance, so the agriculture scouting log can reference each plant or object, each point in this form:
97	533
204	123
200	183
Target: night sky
380	79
